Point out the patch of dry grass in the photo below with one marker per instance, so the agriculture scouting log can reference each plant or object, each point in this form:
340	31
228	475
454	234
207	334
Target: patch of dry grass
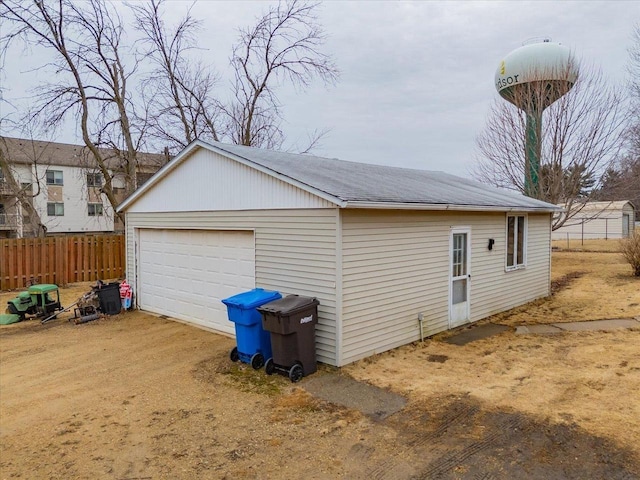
577	245
586	286
588	378
591	379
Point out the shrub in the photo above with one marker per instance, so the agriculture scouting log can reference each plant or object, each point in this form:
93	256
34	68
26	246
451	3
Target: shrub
630	249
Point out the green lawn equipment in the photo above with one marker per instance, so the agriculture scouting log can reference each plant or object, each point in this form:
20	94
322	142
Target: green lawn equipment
40	301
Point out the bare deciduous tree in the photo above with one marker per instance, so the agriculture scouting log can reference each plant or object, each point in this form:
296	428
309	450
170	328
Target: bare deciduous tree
581	135
21	195
633	132
284	45
92	83
181	97
94	74
634	65
622	180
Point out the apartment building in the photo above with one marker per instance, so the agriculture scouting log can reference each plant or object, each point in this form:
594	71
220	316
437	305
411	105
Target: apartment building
57	185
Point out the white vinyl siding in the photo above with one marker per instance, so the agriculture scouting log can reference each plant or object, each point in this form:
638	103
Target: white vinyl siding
295	253
493	289
396	265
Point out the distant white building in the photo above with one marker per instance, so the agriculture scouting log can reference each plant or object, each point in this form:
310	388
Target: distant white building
599	220
63	186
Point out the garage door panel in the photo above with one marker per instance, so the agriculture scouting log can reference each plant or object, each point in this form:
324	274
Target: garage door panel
185	274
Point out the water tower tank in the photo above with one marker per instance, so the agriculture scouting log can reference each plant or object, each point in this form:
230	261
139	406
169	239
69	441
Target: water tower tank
532	77
540	72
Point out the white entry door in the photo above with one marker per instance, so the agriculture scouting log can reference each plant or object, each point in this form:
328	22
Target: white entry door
186	273
459	285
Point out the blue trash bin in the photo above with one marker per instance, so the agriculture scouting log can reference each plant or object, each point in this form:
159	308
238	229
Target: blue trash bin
253	343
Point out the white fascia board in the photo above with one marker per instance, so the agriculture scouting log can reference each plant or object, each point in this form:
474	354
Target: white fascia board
446	207
292	181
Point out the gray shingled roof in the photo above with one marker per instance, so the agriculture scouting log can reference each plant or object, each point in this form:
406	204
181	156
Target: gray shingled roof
360	182
26	151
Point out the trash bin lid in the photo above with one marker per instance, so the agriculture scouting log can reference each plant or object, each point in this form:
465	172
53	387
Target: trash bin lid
252	299
289	304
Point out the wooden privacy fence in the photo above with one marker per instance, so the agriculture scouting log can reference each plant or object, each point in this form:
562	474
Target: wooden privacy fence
60	260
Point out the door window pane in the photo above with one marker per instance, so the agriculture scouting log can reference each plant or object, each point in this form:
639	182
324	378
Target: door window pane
459	254
459	291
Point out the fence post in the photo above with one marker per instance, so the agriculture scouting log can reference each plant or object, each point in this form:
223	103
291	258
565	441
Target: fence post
13	281
4	264
60	260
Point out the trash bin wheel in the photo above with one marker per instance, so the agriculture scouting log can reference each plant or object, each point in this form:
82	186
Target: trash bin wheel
234	355
257	361
296	373
269	367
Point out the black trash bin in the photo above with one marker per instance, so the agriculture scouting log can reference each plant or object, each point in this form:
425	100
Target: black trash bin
109	297
291	322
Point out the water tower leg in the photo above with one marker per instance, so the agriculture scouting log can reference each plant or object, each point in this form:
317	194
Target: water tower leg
533	149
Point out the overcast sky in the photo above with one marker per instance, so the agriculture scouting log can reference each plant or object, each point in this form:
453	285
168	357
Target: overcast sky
416	77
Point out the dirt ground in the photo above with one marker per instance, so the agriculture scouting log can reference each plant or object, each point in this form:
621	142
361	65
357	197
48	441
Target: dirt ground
135	396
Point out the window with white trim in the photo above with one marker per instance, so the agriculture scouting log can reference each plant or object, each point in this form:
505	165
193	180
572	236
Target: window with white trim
516	241
55	209
95	209
94	180
54	177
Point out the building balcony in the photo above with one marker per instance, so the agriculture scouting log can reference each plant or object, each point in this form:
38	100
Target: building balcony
4	189
9	221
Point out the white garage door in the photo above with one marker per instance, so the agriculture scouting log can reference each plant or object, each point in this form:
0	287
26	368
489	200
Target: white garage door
185	273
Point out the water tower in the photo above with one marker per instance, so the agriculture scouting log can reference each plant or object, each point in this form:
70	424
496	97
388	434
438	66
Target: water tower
532	77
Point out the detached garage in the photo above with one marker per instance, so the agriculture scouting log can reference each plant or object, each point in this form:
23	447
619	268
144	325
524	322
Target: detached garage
392	254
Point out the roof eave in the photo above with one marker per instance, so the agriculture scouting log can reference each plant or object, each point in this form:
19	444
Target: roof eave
197	144
447	207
